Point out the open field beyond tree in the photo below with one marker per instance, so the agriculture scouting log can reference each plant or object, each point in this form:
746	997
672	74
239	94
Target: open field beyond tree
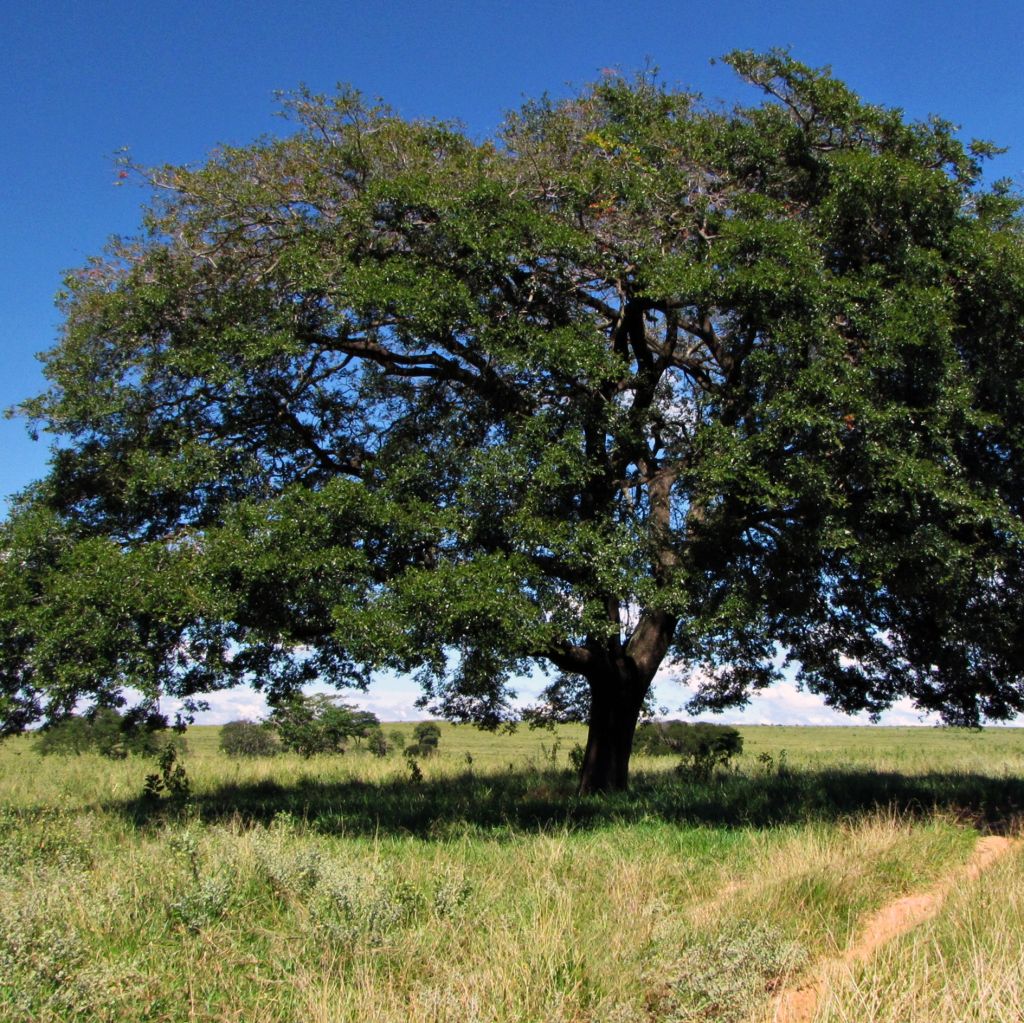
341	889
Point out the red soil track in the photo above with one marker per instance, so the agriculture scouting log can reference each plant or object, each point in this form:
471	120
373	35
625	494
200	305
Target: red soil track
798	1004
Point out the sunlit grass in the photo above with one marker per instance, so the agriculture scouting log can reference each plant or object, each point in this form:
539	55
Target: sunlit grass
963	965
338	889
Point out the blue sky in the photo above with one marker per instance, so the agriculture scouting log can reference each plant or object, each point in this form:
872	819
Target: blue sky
82	79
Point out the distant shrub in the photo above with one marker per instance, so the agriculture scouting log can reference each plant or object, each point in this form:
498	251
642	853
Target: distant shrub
707	747
109	733
248	739
701	746
363	725
427	735
310	725
396	738
67	738
659	738
377	744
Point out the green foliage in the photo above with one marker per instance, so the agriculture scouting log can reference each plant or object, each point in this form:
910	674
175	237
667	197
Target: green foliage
171	779
376	743
248	739
43	837
204	901
355	907
318	724
365	725
707	747
703	746
69	737
38	960
636	380
427	735
109	733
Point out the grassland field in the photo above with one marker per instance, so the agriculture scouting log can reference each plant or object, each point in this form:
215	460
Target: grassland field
342	889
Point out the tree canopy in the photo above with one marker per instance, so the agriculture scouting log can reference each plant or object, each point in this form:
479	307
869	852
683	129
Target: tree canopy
319	724
638	381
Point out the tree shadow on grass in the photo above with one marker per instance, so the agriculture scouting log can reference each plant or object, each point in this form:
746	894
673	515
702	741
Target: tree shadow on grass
503	804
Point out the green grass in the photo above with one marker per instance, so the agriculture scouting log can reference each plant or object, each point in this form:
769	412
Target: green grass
338	889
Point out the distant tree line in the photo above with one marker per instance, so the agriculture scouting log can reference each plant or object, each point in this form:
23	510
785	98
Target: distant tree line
110	733
319	724
307	725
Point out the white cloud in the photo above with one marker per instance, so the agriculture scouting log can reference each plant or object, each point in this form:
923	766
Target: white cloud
390	697
241	704
786	704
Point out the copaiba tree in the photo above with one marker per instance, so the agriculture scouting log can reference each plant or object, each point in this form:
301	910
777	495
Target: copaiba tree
636	383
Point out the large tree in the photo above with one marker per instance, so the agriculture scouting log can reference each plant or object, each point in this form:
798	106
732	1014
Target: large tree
638	381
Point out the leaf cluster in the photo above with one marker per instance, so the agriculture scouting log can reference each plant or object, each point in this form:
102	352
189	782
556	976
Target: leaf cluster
319	724
635	380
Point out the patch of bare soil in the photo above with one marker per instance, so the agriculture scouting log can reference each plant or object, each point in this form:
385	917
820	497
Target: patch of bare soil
798	1004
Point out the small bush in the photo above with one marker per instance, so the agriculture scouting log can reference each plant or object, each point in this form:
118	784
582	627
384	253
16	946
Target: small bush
702	746
451	893
377	744
289	871
708	747
427	735
171	779
202	903
723	978
248	739
353	907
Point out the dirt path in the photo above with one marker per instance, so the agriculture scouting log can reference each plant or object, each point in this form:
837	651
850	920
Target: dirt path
798	1004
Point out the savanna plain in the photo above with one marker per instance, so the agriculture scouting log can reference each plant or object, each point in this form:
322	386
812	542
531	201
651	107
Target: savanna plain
347	888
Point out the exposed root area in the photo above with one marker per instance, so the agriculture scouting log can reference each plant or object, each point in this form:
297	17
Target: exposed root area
798	1004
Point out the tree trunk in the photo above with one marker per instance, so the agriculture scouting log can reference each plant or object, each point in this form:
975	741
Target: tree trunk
614	711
